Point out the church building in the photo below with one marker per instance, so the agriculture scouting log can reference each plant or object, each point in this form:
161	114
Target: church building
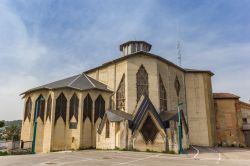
138	101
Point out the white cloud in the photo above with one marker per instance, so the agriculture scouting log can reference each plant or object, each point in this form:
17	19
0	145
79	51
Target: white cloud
19	53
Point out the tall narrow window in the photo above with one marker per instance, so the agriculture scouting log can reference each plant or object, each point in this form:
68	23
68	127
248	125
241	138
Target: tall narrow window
49	102
107	129
120	95
74	103
141	82
87	108
28	108
40	107
177	86
163	95
99	107
61	107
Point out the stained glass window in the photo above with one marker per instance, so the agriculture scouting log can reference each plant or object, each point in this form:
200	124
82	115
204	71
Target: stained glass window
49	103
87	108
73	111
149	130
28	108
163	95
177	86
141	82
120	95
41	108
99	107
61	107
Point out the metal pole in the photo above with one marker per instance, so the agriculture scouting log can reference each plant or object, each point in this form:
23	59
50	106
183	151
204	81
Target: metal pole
180	128
35	126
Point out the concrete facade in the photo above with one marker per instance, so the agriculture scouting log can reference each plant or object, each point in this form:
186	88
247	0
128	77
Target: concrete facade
195	96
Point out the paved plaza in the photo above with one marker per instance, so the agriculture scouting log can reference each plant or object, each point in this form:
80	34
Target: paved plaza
196	156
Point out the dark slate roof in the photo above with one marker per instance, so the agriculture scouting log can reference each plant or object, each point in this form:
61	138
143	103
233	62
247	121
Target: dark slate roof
117	116
169	115
225	96
135	41
144	107
78	82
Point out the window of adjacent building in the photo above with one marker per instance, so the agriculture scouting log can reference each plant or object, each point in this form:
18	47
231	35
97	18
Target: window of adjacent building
163	95
40	108
120	95
28	109
99	108
49	102
141	82
107	129
87	108
61	107
244	120
73	111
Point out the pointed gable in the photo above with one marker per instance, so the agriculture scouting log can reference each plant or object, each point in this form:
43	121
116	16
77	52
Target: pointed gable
144	107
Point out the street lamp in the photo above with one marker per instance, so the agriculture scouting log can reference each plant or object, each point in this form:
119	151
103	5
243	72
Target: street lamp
38	107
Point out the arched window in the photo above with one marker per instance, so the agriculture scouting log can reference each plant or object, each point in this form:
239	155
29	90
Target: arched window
28	108
73	111
141	82
49	103
87	108
99	107
120	95
107	129
61	107
163	95
41	108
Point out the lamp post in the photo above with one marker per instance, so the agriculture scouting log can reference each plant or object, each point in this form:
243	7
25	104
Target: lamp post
180	127
38	107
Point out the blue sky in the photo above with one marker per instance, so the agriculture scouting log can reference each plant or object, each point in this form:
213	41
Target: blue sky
45	40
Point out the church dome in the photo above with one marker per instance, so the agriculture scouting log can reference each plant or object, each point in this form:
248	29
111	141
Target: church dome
131	47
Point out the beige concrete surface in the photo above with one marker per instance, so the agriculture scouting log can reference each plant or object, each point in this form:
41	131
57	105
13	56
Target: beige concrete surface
205	157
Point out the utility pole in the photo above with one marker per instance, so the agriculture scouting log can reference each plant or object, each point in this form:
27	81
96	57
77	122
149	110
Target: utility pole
38	107
178	45
180	127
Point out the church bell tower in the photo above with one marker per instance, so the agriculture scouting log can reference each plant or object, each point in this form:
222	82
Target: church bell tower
131	47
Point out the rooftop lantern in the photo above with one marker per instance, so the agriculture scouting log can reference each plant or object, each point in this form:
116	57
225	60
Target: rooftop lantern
131	47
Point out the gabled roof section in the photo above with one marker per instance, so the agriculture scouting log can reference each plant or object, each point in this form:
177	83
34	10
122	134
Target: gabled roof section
144	107
225	96
78	82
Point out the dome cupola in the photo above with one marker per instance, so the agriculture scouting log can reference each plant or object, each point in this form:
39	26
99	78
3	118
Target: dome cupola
131	47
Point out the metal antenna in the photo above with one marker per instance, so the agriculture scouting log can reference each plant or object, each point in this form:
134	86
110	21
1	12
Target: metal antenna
178	45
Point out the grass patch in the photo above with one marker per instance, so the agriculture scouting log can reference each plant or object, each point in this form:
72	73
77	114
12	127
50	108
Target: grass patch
3	153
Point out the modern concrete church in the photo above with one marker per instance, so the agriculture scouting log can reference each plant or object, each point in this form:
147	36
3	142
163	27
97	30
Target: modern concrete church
134	102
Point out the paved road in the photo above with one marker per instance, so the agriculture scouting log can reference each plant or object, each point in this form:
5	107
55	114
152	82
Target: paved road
197	156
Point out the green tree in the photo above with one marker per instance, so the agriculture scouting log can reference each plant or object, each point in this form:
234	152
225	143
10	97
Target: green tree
1	124
12	132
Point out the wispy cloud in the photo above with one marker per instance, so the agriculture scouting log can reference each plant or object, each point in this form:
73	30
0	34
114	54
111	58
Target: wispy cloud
45	40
